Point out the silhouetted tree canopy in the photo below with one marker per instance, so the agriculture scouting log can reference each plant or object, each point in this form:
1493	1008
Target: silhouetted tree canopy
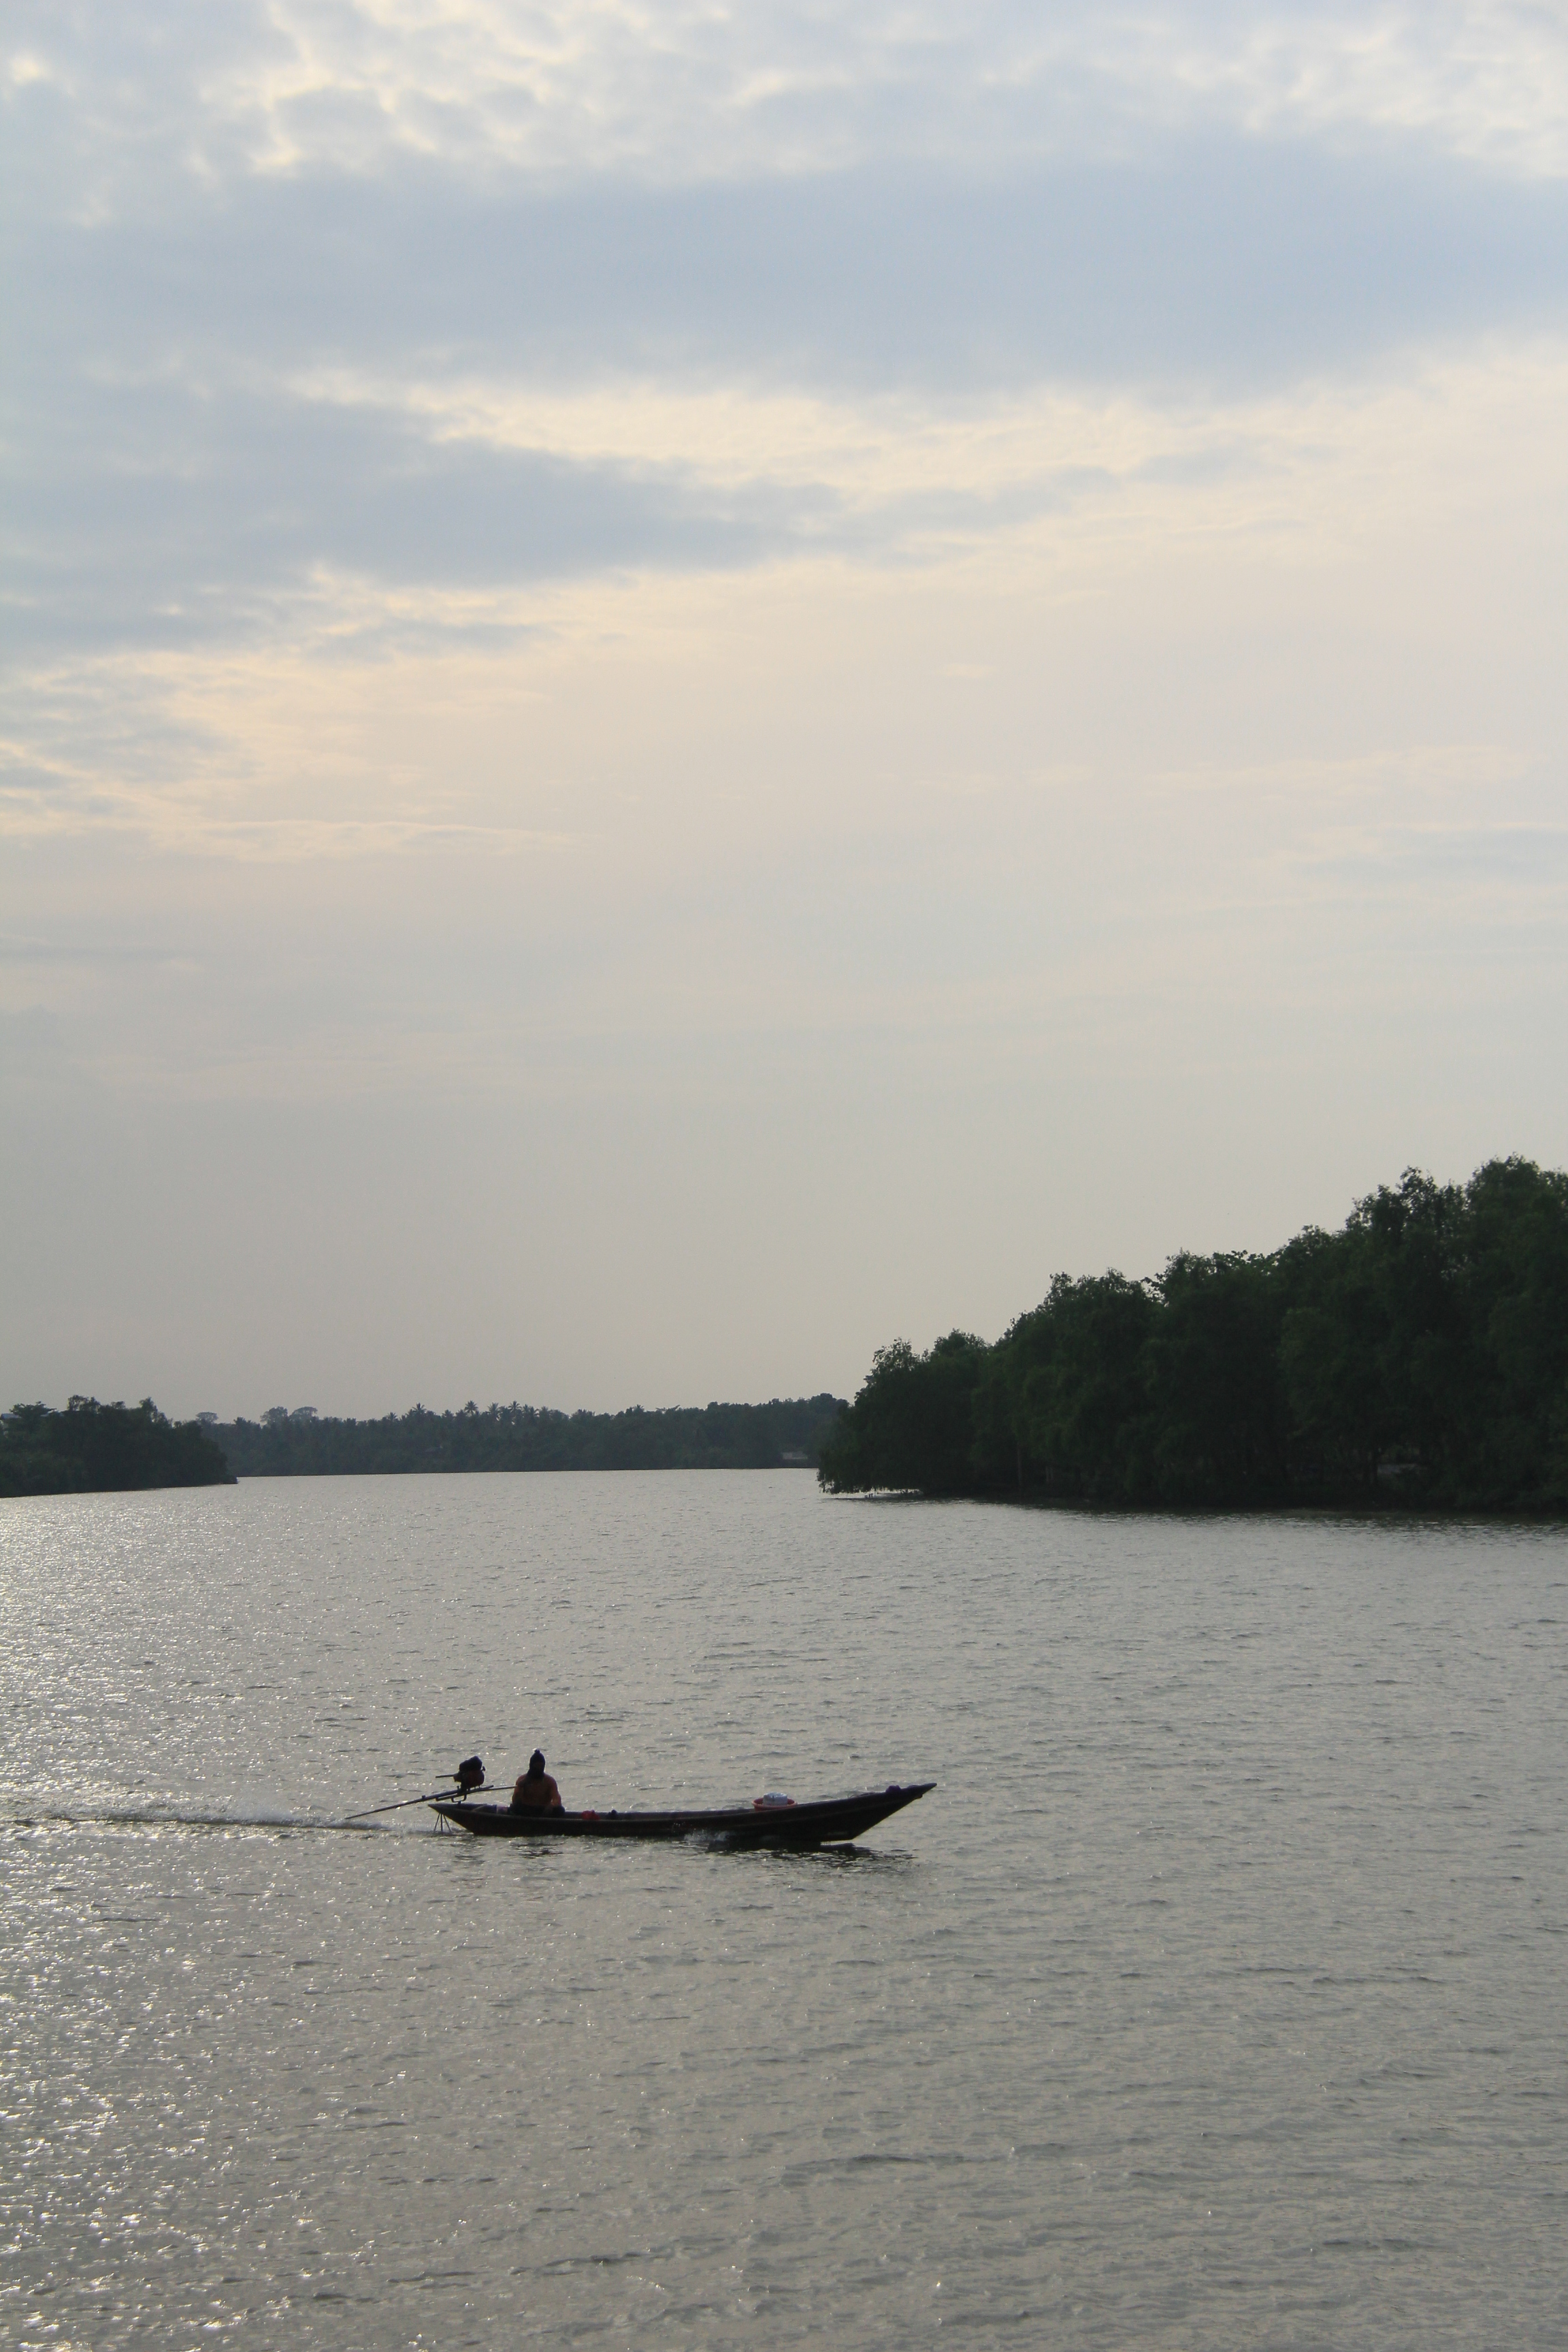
1421	1353
305	1443
92	1448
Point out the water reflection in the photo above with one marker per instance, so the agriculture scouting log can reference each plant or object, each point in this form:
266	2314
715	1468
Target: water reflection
1223	2000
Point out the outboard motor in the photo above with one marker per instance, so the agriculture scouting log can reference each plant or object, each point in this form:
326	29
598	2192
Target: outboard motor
470	1775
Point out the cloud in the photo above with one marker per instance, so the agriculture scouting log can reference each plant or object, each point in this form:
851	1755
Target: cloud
1216	264
1525	866
214	213
678	91
174	479
158	514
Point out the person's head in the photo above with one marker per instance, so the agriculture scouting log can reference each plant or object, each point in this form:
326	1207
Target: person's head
536	1764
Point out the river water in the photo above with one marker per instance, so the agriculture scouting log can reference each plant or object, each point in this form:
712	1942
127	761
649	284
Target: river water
1217	1996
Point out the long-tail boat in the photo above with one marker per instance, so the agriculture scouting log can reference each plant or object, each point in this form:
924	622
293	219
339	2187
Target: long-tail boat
768	1821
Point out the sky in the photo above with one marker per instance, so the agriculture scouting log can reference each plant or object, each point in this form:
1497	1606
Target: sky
687	687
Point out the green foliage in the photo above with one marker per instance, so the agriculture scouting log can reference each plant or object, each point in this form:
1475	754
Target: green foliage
1419	1354
304	1443
92	1448
1220	1424
912	1424
1082	1384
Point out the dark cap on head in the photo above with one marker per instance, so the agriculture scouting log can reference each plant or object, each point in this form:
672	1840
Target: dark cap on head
536	1763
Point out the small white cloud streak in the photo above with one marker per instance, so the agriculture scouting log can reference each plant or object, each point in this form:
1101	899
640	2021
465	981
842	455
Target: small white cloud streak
691	90
871	454
681	92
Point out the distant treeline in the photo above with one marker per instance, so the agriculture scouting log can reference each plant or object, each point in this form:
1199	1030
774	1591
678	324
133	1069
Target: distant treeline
1419	1354
303	1443
92	1448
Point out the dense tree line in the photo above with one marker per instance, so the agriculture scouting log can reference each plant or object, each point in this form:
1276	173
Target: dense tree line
92	1448
1421	1354
303	1443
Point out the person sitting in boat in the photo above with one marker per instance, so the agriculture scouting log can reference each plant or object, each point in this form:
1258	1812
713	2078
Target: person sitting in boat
536	1792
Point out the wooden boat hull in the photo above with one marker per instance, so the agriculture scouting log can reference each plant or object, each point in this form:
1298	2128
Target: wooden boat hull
833	1821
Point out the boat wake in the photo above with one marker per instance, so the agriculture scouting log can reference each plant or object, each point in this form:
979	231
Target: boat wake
173	1817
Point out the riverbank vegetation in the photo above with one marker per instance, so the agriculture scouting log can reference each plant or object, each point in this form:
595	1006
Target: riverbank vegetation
1419	1355
92	1448
304	1443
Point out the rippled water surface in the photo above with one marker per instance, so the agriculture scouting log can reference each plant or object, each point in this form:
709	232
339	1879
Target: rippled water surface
1217	1996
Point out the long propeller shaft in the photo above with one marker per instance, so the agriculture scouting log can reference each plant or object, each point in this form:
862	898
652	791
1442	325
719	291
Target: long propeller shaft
404	1803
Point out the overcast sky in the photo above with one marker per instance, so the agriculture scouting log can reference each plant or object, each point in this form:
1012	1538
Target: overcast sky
691	686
